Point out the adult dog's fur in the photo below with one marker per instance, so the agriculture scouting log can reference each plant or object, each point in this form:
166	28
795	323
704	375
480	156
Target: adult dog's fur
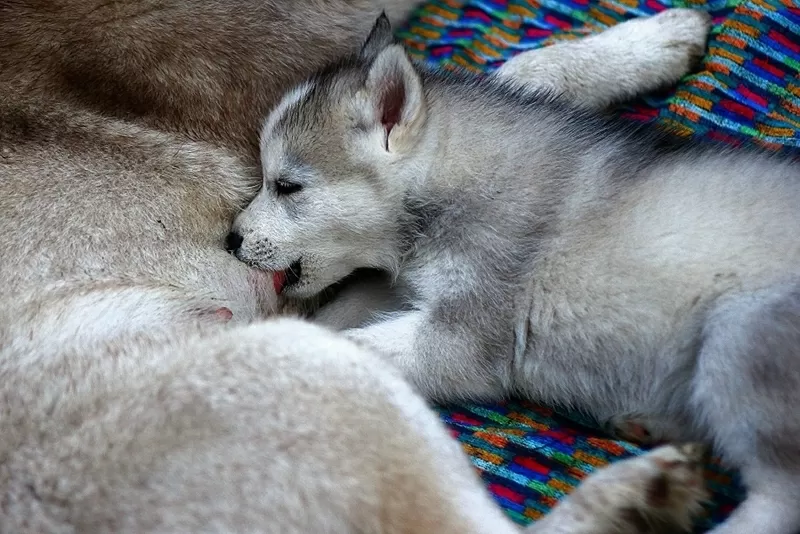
279	427
128	140
548	251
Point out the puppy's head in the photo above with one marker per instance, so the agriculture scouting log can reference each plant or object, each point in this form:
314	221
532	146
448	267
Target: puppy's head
338	153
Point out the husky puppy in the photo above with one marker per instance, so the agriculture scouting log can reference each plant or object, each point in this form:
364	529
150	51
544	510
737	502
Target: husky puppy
542	250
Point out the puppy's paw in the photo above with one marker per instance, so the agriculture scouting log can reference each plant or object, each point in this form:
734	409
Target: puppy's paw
684	32
625	61
675	495
673	42
660	491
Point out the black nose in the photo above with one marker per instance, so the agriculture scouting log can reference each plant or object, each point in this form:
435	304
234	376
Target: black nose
233	241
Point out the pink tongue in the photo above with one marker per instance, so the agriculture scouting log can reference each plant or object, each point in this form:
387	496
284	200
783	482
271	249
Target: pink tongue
278	281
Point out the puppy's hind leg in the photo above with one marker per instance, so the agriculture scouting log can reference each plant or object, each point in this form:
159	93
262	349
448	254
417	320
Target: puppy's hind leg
623	62
746	392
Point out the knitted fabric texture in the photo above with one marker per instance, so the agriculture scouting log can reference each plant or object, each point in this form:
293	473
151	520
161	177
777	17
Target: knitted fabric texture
747	91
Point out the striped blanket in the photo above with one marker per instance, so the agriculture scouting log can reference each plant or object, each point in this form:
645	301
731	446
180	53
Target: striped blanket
747	91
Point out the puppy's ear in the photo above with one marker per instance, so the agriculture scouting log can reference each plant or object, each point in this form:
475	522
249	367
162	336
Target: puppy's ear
379	38
394	90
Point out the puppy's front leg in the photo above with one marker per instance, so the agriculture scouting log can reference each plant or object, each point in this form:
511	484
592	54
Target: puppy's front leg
441	360
359	302
625	61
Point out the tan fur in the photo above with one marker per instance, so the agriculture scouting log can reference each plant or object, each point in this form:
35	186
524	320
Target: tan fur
277	427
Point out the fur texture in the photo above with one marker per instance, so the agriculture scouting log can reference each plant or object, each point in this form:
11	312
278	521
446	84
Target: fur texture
545	250
280	427
128	133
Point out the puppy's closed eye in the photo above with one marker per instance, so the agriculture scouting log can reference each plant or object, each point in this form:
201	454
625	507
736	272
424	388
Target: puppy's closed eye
284	187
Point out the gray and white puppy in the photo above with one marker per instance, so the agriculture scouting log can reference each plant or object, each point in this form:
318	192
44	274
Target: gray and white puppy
547	251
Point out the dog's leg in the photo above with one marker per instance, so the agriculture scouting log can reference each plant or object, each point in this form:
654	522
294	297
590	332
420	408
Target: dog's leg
625	61
360	302
655	492
746	393
441	358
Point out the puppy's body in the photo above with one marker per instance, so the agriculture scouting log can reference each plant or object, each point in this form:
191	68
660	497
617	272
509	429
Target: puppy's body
550	252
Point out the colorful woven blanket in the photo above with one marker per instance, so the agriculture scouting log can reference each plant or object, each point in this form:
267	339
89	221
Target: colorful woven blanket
747	91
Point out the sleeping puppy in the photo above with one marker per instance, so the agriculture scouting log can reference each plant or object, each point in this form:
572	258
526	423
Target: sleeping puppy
545	250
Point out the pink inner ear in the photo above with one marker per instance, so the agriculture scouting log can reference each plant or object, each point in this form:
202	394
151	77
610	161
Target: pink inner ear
393	98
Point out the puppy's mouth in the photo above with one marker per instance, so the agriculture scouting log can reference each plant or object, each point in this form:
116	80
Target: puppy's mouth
288	277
